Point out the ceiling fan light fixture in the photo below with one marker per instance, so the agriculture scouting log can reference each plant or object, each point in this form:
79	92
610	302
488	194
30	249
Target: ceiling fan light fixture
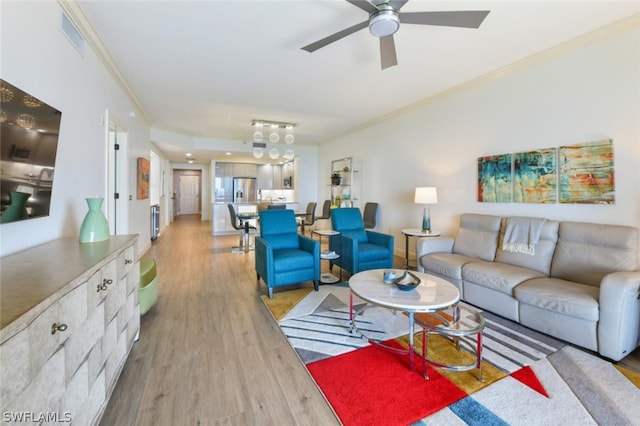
384	23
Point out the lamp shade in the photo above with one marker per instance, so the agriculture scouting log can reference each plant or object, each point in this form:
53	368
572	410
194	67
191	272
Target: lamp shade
426	195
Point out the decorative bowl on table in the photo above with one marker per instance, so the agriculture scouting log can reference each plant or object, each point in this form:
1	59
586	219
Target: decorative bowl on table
406	281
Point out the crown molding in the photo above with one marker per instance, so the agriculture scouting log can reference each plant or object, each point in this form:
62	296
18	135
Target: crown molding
79	19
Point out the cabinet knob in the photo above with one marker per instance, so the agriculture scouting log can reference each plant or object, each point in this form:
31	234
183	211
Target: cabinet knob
128	261
101	287
107	281
58	327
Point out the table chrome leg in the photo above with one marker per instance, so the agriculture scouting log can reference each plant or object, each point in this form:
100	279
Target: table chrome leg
351	312
479	357
411	331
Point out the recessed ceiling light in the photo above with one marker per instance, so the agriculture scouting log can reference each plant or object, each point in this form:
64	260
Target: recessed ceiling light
188	154
227	153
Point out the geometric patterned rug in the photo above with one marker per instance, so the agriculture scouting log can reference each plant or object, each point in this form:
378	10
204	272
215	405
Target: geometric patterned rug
575	387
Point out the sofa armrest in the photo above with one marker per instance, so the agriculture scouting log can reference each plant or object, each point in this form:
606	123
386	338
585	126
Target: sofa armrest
427	245
619	325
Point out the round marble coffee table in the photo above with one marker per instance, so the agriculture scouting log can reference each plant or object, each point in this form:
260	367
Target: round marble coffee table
433	294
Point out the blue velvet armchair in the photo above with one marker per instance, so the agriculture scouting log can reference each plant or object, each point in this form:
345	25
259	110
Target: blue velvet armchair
359	248
282	256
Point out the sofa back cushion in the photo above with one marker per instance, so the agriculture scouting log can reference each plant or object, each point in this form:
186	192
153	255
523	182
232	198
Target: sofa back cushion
543	254
477	236
586	252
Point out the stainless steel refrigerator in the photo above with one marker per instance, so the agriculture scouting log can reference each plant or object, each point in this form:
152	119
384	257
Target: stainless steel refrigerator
244	190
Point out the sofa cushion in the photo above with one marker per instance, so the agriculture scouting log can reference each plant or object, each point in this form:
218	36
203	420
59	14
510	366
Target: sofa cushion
541	259
560	296
445	264
497	276
477	236
586	252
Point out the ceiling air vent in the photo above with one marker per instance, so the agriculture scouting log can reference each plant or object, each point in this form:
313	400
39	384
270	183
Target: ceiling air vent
72	33
259	145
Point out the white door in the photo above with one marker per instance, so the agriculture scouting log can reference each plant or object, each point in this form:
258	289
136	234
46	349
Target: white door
189	190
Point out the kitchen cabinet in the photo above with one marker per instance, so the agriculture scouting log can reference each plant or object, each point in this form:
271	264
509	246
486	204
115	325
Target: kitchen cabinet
69	316
287	175
265	176
272	176
244	170
347	192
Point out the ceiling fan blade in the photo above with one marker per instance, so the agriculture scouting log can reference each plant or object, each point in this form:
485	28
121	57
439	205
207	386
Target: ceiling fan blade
460	18
388	52
335	37
364	5
397	4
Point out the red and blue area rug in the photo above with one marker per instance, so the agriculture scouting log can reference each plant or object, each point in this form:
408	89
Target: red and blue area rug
529	378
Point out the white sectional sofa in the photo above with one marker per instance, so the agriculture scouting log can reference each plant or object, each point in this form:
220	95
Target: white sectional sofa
581	284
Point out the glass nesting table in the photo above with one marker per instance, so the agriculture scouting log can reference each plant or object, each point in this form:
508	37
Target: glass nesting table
462	325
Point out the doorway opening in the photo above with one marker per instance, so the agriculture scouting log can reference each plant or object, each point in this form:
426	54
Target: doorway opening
187	195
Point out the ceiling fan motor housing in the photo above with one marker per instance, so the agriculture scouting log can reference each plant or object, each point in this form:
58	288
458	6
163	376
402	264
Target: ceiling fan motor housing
384	22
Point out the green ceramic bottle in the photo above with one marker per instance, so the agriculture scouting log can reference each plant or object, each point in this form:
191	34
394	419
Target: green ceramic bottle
94	226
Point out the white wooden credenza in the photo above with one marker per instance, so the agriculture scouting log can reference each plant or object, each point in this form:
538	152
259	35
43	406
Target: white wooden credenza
69	315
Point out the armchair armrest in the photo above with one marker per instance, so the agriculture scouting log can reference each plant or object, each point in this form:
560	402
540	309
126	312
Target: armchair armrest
311	246
263	258
380	239
619	325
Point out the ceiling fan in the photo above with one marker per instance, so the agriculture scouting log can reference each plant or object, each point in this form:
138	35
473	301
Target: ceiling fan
385	18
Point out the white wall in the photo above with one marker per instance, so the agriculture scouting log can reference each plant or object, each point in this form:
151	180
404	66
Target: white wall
586	91
38	59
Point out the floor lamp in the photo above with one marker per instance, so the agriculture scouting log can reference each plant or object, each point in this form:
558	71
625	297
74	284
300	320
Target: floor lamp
426	195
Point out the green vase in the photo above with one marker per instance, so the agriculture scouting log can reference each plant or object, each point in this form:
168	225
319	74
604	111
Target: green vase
94	226
17	210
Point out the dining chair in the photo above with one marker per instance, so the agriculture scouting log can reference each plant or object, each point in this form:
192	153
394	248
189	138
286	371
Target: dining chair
370	215
283	256
243	227
308	218
326	210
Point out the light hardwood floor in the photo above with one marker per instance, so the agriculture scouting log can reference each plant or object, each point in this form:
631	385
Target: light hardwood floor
209	352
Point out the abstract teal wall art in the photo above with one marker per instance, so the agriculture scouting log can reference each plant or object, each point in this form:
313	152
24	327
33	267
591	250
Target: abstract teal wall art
494	179
534	176
587	174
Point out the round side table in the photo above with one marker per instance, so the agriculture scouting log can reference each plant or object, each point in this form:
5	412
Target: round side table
414	232
327	278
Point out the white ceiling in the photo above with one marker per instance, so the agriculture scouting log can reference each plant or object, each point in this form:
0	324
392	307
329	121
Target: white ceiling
207	68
